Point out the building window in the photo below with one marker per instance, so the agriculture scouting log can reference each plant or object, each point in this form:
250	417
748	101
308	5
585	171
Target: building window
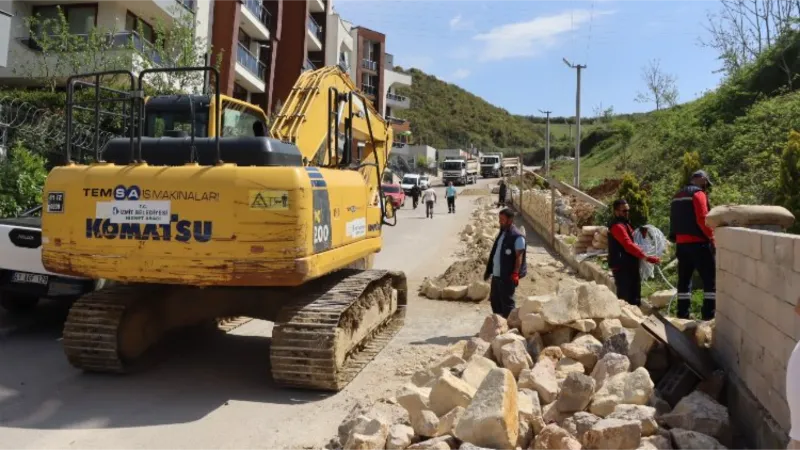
244	39
80	18
239	92
369	50
135	24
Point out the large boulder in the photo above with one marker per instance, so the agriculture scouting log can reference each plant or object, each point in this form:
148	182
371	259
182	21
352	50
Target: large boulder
554	437
645	415
609	365
535	346
558	336
530	410
692	440
566	366
477	347
446	442
454	292
585	349
701	413
449	421
425	423
579	423
478	290
661	299
576	393
656	442
476	370
493	326
400	437
640	347
613	434
618	343
533	323
581	301
449	392
633	388
534	304
608	328
553	353
562	309
426	377
542	379
513	320
746	215
414	399
501	341
370	435
515	357
631	316
492	418
583	325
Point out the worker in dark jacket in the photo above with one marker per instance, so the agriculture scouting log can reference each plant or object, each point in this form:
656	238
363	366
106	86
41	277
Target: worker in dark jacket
507	264
624	255
415	193
501	197
694	244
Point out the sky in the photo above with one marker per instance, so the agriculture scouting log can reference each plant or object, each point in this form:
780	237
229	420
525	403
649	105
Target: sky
511	52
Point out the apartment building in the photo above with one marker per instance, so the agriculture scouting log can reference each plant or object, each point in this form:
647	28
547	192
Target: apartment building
339	42
5	30
122	19
243	38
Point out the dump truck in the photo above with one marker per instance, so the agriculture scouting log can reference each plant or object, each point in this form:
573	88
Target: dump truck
460	171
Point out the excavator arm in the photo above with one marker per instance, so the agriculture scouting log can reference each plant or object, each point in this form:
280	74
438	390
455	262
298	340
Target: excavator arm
333	125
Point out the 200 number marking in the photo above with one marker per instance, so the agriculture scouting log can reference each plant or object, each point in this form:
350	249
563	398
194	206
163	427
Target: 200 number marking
321	233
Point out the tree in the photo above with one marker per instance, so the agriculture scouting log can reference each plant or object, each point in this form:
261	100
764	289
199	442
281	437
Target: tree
631	190
22	176
690	164
60	53
788	194
661	87
624	131
743	29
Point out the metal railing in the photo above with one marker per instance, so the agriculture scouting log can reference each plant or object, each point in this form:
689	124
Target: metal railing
258	10
308	65
250	62
395	97
314	27
371	65
369	90
191	5
122	40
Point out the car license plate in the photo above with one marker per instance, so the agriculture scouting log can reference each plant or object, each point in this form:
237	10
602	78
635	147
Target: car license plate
22	277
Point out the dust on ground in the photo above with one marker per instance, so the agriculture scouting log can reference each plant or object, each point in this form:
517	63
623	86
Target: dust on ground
474	191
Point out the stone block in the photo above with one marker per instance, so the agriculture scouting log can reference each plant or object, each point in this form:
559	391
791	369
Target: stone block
784	318
768	242
778	409
740	240
784	249
797	255
744	267
778	281
755	381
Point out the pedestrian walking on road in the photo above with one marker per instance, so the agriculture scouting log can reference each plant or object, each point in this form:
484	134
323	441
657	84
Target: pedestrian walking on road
624	255
793	393
450	193
695	247
429	198
501	198
415	193
507	264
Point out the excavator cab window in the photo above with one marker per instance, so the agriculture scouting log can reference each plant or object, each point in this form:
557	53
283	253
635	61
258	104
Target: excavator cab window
238	120
168	115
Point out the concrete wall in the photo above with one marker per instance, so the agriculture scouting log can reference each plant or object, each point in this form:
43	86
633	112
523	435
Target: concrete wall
6	12
758	286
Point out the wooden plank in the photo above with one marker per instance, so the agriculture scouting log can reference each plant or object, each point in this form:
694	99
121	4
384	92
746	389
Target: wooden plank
696	359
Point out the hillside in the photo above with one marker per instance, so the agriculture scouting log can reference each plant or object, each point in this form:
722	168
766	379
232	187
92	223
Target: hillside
445	116
738	131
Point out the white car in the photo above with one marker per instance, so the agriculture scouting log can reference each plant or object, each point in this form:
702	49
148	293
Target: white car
23	278
424	181
409	181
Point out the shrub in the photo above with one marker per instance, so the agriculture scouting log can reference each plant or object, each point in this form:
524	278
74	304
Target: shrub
22	176
691	164
788	194
631	190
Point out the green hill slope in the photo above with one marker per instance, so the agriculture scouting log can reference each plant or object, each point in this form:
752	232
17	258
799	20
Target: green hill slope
739	132
445	116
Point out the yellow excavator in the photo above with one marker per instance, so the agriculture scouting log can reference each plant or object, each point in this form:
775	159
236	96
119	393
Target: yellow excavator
224	221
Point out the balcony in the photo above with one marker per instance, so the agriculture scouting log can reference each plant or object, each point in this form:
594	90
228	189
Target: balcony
314	32
124	40
370	90
316	6
256	19
249	70
397	101
369	65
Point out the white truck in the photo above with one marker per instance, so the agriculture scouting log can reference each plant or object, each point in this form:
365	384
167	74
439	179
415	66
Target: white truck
511	166
460	171
23	278
492	165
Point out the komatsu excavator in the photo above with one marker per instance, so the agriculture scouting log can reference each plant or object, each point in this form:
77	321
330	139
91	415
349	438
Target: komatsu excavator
232	223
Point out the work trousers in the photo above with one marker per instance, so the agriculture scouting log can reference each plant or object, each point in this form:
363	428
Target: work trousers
629	284
501	200
415	201
501	296
451	204
429	209
700	257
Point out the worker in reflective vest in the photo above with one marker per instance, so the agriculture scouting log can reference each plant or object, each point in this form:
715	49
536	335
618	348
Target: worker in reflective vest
694	241
624	255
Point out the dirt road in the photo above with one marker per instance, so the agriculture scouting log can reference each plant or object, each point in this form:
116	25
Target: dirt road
215	392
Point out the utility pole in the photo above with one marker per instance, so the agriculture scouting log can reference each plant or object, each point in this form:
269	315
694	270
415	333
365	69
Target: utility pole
577	175
547	144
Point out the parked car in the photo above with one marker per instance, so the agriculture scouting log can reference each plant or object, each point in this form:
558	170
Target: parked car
395	194
424	181
409	181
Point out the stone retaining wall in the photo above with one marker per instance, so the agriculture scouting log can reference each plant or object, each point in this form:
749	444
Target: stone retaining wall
758	286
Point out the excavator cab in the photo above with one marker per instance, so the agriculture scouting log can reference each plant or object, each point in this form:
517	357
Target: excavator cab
198	213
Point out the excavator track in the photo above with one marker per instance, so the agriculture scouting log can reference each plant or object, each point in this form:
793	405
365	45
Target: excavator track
307	342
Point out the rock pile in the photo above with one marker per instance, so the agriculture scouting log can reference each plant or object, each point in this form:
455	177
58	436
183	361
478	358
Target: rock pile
591	238
565	371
